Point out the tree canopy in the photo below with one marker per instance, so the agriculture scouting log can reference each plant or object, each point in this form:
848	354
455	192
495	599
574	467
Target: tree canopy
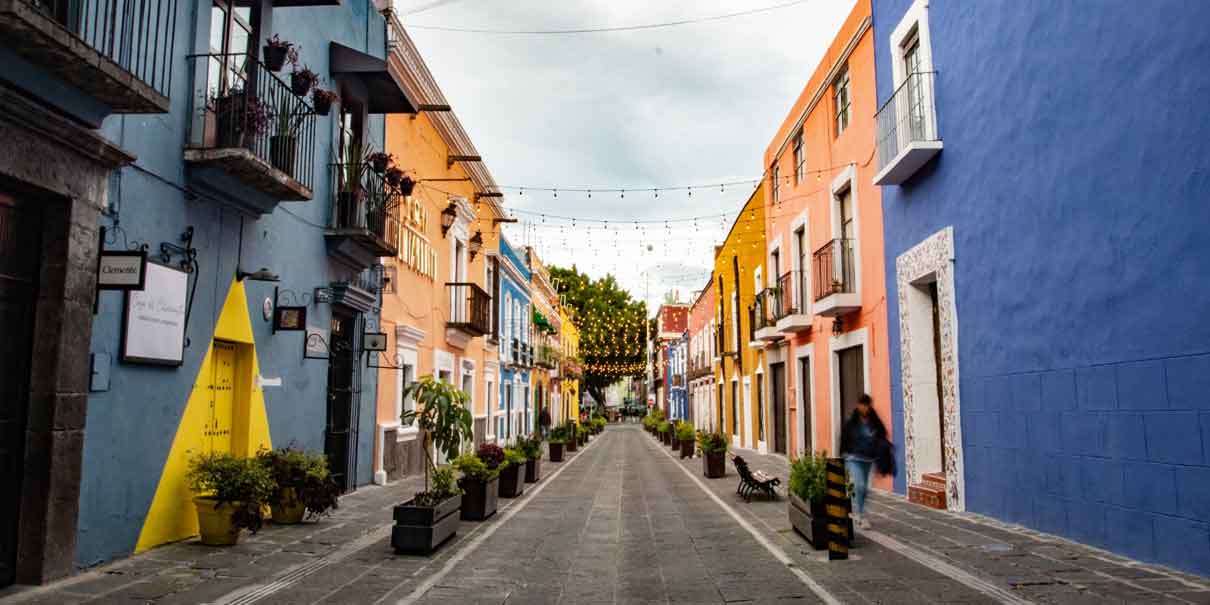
612	341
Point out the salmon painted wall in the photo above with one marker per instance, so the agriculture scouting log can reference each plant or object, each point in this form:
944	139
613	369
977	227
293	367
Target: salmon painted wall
419	300
831	160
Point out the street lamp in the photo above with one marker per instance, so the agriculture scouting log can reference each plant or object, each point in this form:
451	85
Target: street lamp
475	244
447	218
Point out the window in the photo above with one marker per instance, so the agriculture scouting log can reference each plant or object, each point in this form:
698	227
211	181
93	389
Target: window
840	96
445	376
847	227
734	407
915	92
507	325
760	407
775	173
800	242
493	286
406	375
230	32
800	157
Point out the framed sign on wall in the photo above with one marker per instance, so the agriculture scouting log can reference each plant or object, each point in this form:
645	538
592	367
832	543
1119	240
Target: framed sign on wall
153	322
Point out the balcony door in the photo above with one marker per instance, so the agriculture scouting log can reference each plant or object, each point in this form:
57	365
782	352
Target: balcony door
344	389
915	91
20	227
231	39
852	380
806	407
800	239
777	392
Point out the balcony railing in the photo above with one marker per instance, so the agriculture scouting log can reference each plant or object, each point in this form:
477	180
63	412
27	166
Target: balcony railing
132	38
249	121
364	209
790	289
548	357
834	271
469	309
907	130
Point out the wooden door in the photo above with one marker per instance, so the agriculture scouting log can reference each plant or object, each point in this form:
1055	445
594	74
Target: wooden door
806	408
852	380
777	383
222	397
342	395
20	243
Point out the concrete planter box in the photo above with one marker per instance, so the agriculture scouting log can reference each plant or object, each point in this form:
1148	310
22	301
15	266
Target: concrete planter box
676	442
556	452
422	529
479	498
687	448
533	469
572	444
511	483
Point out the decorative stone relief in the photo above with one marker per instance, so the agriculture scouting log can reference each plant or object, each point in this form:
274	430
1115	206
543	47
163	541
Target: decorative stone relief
934	256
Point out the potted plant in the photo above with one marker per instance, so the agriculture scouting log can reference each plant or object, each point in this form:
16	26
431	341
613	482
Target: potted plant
323	100
714	454
573	437
304	486
276	51
598	424
239	118
582	433
428	519
684	435
531	448
230	494
303	80
351	196
379	162
399	180
558	439
512	479
806	508
479	481
837	286
283	144
665	433
675	441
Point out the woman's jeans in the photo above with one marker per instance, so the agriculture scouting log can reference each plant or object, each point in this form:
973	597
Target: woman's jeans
859	474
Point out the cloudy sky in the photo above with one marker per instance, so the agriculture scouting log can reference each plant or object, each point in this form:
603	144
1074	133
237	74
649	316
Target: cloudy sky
688	105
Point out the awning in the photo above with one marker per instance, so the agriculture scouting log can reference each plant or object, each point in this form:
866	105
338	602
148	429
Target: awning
386	96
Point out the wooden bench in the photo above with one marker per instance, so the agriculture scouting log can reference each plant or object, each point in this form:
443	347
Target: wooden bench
751	482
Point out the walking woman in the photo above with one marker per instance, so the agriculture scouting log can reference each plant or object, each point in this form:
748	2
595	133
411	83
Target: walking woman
862	443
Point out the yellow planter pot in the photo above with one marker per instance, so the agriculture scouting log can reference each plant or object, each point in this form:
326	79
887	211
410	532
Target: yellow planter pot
214	523
290	509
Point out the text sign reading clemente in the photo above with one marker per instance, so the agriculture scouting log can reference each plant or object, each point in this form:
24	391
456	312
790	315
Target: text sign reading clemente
121	270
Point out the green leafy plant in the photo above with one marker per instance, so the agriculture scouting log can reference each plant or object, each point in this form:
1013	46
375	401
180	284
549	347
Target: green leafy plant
599	422
445	486
684	431
581	431
558	435
288	122
662	426
473	467
353	168
530	447
442	417
710	443
514	456
301	475
242	483
809	476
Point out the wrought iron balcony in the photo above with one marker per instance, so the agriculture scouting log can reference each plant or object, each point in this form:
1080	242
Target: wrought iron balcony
835	278
247	124
365	216
907	130
762	315
116	51
791	312
470	306
548	357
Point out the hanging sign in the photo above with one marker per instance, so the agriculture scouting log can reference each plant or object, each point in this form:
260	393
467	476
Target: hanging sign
153	324
289	319
374	341
121	270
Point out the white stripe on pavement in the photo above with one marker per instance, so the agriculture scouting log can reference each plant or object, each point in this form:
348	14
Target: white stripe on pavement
777	553
470	547
939	566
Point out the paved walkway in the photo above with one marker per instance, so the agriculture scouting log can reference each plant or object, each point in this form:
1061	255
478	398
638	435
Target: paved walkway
623	521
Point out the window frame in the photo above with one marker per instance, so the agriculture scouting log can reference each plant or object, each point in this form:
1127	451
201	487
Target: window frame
842	100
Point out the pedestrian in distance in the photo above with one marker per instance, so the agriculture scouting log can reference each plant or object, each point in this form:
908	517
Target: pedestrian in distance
864	445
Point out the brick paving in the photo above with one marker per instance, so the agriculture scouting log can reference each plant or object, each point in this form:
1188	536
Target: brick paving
622	521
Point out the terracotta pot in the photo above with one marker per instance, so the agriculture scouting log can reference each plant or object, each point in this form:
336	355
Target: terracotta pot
215	523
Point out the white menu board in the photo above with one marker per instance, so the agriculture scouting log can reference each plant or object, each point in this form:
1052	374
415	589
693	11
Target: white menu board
153	324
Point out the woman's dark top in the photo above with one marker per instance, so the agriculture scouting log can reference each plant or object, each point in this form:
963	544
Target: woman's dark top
863	439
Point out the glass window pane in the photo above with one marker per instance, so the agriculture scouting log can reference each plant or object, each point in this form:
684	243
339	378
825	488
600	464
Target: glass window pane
218	25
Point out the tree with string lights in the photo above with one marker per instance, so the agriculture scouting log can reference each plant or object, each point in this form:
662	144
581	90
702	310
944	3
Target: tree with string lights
611	328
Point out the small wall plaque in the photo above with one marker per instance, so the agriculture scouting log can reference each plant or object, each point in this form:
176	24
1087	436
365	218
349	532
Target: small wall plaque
122	270
289	319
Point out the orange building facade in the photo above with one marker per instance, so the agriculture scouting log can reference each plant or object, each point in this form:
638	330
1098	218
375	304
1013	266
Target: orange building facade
437	310
822	316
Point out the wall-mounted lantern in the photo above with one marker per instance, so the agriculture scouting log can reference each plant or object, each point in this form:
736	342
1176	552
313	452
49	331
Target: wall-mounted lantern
447	218
475	244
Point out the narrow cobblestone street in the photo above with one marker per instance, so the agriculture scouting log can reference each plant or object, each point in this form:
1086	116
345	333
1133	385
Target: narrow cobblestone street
623	521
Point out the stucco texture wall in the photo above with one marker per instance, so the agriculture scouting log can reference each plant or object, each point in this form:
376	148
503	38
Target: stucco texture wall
1074	175
131	427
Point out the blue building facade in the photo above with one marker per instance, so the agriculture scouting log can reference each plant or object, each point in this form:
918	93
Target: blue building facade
255	209
1044	173
676	359
514	414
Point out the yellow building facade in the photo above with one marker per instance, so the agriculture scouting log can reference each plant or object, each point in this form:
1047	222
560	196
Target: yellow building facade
739	361
569	340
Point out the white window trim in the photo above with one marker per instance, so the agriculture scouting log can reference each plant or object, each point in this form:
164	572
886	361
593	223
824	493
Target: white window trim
804	399
847	340
847	179
762	445
915	19
749	439
736	423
